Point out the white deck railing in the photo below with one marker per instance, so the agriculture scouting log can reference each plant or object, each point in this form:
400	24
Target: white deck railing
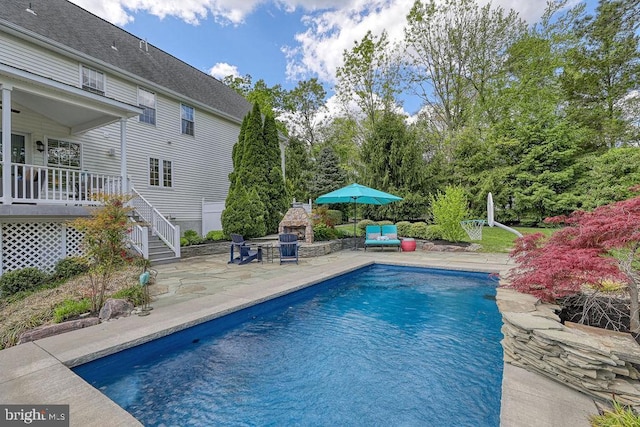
47	185
160	226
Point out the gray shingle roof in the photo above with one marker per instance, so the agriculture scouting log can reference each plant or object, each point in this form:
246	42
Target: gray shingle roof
72	26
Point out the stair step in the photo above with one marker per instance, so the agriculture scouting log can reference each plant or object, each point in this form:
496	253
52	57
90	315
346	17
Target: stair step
166	260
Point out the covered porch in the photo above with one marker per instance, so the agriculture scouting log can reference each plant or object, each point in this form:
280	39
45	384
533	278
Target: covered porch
63	166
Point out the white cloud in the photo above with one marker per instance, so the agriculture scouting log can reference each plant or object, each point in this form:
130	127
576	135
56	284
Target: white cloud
119	12
222	70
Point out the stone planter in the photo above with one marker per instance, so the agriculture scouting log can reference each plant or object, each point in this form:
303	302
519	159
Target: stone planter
595	361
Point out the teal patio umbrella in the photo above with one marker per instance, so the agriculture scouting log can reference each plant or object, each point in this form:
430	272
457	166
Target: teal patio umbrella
356	193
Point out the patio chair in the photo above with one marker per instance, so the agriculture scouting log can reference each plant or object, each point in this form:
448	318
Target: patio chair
288	244
245	253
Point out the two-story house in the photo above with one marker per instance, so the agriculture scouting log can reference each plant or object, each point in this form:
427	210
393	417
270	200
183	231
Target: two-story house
87	107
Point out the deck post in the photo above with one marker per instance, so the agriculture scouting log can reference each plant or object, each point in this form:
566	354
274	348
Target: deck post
123	156
6	144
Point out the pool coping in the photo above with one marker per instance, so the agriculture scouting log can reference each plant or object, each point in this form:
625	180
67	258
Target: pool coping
39	372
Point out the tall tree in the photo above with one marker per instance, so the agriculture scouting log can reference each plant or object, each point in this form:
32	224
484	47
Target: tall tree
305	105
275	197
343	136
329	175
391	156
603	71
270	99
455	49
298	169
370	76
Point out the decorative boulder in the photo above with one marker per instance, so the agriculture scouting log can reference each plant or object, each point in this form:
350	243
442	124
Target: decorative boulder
58	328
114	308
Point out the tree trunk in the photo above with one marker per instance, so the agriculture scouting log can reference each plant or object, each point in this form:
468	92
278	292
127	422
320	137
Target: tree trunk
634	284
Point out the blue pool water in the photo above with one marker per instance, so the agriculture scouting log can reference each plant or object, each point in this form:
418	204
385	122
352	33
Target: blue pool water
383	346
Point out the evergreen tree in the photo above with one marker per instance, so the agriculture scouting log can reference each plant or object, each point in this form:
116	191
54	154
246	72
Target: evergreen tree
249	180
253	166
244	213
236	154
275	200
329	175
298	170
391	156
602	71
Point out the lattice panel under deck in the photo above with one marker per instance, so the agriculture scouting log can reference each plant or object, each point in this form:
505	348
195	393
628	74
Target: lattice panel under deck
73	241
37	244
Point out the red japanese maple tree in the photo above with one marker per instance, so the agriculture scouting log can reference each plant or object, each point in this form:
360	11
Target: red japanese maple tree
581	254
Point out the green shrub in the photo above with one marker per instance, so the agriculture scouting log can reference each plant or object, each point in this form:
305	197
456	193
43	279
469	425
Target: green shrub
133	294
434	232
192	237
70	267
362	225
322	232
448	210
215	235
619	416
385	222
25	279
184	241
68	309
417	230
335	216
404	228
341	234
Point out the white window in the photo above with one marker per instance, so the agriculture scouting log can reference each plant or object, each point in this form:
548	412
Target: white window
63	154
92	80
187	116
147	100
160	173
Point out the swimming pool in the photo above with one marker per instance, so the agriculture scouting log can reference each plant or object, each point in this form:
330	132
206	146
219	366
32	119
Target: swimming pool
383	345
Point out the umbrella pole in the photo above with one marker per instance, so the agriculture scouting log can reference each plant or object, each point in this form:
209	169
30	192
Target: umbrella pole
355	221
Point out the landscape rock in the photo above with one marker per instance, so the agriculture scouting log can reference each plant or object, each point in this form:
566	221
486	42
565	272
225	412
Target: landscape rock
57	328
114	308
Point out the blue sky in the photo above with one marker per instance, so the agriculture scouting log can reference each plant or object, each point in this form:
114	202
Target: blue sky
279	41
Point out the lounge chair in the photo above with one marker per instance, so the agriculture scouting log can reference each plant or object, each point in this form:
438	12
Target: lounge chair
245	253
387	235
288	244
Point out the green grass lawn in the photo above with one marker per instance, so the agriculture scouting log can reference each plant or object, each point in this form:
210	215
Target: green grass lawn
494	239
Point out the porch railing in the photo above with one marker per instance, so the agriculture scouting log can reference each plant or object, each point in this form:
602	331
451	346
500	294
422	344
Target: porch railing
160	226
43	185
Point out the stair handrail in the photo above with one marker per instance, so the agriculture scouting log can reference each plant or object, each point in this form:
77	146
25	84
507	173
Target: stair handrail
160	226
139	238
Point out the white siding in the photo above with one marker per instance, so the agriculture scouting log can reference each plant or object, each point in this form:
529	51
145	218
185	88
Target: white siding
201	163
26	56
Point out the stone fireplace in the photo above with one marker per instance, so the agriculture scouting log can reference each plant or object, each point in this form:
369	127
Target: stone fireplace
297	221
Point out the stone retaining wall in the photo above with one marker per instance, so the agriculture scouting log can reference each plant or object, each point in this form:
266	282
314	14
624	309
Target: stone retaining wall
594	361
306	250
